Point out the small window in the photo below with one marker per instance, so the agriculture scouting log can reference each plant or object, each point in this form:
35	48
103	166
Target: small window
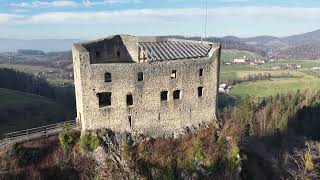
107	77
164	95
201	72
104	99
98	55
118	54
200	91
130	121
129	100
140	76
176	94
173	74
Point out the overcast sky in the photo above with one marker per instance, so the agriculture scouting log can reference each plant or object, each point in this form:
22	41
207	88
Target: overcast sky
89	19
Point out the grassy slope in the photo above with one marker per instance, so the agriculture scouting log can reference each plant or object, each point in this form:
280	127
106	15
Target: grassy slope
303	80
228	55
19	110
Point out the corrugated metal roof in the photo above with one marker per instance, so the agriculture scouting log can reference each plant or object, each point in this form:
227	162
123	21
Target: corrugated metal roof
172	50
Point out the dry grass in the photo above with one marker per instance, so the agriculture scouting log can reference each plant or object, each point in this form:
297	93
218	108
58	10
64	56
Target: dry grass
48	160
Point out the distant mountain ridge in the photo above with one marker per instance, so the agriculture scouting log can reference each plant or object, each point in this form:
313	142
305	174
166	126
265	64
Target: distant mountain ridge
302	46
47	45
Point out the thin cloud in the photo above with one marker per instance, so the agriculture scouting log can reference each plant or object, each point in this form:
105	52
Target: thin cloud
8	18
36	4
90	3
161	15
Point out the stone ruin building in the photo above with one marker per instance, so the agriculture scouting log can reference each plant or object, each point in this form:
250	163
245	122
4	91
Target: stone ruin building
152	85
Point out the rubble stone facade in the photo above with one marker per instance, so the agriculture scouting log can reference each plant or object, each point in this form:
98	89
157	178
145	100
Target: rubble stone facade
151	85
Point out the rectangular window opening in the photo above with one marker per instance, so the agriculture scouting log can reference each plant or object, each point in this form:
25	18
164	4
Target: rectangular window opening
164	95
140	76
176	94
130	121
98	54
107	77
104	99
174	74
129	100
201	72
200	91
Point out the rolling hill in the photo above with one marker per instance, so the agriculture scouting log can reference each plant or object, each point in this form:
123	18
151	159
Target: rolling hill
300	46
19	110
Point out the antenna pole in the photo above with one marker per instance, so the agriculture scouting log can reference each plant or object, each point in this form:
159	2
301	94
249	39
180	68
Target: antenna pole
206	20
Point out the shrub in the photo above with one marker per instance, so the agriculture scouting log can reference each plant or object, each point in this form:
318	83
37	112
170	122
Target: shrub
89	141
308	161
15	149
68	138
232	156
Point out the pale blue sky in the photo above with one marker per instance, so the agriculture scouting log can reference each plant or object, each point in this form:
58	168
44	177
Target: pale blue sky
89	19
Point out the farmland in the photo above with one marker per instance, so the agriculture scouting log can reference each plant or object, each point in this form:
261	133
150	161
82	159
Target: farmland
302	79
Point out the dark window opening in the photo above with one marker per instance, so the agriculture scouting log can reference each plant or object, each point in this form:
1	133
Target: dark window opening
200	91
129	100
107	77
176	94
130	121
164	95
173	74
140	76
201	72
98	55
104	99
118	54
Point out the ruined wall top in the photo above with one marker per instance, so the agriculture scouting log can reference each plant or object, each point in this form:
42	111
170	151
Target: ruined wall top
141	49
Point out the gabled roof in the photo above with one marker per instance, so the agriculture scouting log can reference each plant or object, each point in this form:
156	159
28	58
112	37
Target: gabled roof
172	50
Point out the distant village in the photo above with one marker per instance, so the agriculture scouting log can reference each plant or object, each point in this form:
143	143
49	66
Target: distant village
57	65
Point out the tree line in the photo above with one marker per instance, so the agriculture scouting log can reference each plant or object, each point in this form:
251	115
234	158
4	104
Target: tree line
20	81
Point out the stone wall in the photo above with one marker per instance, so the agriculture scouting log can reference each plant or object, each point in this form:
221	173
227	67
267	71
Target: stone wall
148	114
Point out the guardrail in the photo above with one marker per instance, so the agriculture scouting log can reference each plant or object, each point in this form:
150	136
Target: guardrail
36	133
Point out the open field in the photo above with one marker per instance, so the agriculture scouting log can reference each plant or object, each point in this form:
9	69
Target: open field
228	55
19	110
301	78
27	68
303	63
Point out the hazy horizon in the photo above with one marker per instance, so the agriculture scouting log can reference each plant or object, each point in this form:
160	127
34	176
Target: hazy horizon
25	39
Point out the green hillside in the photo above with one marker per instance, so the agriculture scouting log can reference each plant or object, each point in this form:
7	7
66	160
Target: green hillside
19	110
228	55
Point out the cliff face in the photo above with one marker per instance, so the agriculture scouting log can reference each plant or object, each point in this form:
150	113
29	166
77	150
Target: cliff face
201	154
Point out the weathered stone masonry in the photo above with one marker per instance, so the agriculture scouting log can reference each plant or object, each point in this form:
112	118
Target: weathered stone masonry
149	85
